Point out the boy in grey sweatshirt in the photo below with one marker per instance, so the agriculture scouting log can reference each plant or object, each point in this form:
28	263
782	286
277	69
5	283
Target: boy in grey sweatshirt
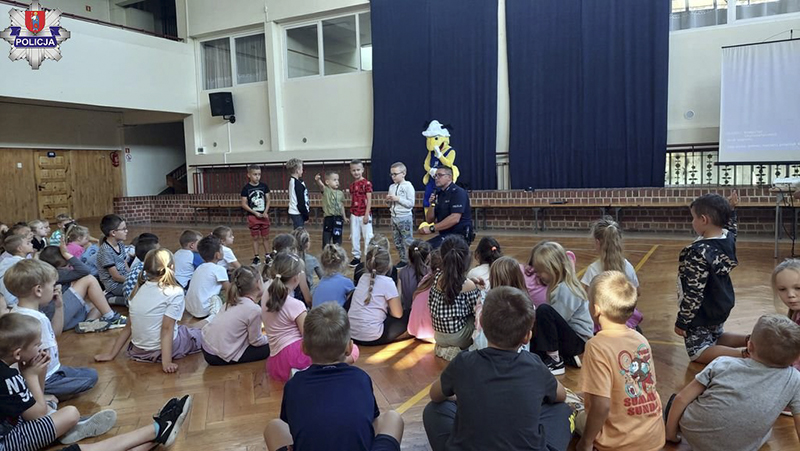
401	204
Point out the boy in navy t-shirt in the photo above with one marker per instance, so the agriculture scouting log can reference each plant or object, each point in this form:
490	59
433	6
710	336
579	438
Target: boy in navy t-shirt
255	202
330	405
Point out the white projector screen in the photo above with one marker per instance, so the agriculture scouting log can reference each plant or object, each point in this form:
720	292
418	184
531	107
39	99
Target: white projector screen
760	103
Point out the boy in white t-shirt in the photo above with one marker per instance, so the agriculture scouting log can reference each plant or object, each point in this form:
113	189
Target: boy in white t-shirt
33	282
187	260
18	247
202	299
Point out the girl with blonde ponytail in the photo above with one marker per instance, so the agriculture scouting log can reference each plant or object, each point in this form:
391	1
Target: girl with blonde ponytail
235	334
376	312
608	242
156	306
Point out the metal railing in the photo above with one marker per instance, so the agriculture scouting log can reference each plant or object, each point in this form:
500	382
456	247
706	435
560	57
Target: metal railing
697	164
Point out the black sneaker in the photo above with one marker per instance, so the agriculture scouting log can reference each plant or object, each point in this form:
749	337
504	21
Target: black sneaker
355	262
170	419
557	368
573	361
256	261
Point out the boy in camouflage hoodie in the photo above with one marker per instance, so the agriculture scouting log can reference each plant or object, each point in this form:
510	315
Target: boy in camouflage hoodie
705	291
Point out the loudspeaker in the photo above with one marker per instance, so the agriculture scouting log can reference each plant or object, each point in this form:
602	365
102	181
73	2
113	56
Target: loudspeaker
221	103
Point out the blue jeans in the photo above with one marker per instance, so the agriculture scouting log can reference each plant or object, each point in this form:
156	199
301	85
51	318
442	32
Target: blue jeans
70	381
297	221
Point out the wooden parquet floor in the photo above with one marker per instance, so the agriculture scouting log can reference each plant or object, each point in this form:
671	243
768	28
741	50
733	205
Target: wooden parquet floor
234	403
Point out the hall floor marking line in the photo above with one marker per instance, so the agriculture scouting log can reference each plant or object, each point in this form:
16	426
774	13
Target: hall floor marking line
414	400
646	257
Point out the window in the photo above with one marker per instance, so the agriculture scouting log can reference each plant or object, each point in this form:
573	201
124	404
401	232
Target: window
332	46
250	64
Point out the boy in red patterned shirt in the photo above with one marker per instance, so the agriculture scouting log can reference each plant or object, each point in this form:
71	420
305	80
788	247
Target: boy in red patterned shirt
360	206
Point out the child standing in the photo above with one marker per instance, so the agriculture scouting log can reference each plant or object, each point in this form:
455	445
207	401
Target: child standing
225	235
401	200
607	236
63	220
298	193
360	208
156	306
25	423
40	229
564	323
376	312
33	282
235	334
331	404
623	409
144	244
187	259
786	287
506	399
333	286
112	265
210	279
332	208
712	413
255	202
705	290
17	247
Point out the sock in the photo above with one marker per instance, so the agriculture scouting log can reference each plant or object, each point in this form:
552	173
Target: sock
108	315
554	355
155	424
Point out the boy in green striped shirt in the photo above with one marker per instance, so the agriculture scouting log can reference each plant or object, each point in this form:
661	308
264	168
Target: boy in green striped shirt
332	208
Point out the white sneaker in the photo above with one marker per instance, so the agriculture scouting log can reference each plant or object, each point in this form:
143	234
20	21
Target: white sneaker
97	424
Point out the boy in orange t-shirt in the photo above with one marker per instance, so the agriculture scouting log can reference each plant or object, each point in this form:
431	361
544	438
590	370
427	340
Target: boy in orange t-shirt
623	409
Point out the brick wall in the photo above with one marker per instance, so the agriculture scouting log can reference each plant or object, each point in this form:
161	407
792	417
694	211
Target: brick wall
512	210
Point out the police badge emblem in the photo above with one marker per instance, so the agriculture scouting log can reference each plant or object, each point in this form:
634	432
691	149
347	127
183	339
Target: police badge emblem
35	34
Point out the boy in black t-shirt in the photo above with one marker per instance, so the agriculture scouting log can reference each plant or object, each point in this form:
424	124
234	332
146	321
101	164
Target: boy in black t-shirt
255	201
330	405
507	399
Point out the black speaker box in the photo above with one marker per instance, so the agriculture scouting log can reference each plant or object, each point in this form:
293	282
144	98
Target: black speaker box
221	103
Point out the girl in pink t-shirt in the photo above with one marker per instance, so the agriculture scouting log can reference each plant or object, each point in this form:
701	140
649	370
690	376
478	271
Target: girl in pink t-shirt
786	286
283	317
77	237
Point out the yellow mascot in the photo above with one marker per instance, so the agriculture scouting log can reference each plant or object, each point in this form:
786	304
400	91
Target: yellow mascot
437	140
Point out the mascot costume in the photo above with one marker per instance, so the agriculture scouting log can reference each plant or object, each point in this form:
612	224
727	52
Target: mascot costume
437	139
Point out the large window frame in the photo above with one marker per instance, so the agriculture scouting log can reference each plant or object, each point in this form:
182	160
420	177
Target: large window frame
234	67
321	46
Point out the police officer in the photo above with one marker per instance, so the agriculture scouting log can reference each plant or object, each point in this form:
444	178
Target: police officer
451	212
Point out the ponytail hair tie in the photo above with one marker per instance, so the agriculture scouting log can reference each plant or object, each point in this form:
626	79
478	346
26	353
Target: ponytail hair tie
416	249
494	248
277	276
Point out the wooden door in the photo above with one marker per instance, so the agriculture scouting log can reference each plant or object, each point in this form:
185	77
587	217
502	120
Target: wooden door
18	185
54	190
95	183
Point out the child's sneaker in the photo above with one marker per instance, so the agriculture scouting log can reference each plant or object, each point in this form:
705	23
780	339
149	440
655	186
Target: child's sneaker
355	262
446	352
95	325
256	261
170	419
97	424
573	361
557	368
117	321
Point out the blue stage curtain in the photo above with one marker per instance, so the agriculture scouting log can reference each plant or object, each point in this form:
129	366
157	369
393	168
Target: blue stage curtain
434	59
588	87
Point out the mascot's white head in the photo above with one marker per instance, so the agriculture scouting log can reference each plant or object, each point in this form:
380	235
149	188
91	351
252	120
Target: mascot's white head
437	136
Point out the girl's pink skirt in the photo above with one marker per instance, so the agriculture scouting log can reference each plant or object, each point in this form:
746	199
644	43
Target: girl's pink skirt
419	321
279	366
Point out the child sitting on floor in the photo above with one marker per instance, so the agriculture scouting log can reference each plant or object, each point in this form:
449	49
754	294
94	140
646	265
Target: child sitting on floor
331	405
419	320
409	276
228	260
144	243
187	259
734	402
33	282
506	399
156	306
486	253
209	280
786	287
77	238
27	422
312	264
40	231
235	334
18	247
333	286
623	409
112	257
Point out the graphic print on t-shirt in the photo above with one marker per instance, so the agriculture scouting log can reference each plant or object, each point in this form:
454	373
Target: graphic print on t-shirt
640	382
257	200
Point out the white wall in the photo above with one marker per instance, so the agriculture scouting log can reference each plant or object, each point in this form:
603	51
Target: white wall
211	16
45	127
695	63
156	150
105	66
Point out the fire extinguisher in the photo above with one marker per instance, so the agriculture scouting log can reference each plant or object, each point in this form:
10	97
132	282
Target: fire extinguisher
114	158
